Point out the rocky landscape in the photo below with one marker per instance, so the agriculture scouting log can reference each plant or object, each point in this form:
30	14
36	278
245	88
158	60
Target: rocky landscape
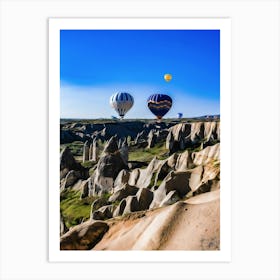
140	185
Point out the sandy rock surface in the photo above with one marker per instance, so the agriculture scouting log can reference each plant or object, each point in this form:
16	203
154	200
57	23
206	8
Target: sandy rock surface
189	225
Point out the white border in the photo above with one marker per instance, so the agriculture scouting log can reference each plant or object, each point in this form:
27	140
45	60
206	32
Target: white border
55	25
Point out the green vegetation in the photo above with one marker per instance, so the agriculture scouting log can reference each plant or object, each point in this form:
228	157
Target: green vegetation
192	149
75	147
146	155
73	209
88	164
216	163
91	170
159	181
155	183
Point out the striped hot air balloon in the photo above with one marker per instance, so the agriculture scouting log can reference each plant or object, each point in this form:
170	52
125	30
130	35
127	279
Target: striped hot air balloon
121	102
159	104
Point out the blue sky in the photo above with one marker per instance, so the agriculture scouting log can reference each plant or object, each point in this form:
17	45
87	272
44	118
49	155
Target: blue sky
94	64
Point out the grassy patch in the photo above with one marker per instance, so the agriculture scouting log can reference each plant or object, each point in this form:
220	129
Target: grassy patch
158	183
88	164
154	182
146	155
91	171
73	209
75	147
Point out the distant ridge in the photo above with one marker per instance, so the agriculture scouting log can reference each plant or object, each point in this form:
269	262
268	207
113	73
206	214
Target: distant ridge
210	117
113	118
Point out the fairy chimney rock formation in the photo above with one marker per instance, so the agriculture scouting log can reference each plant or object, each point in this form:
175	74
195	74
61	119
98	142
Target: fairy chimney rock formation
86	151
94	150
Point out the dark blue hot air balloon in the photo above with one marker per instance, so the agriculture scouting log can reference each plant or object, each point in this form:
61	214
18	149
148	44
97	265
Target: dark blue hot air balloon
159	104
179	115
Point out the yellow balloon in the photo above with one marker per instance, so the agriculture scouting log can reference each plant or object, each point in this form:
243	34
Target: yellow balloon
167	77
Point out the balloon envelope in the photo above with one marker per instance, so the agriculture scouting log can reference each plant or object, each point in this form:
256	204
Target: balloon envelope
159	104
121	102
179	115
167	77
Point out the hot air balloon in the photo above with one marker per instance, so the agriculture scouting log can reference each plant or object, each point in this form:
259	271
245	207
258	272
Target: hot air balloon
159	104
121	102
179	115
167	77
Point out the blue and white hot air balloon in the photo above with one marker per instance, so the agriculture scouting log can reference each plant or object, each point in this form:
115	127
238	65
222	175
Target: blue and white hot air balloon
159	104
121	102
